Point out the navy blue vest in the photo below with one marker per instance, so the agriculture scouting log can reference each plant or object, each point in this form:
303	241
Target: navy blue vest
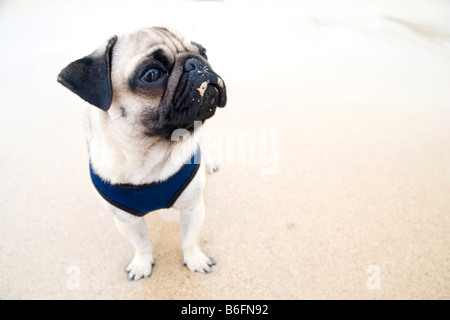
141	199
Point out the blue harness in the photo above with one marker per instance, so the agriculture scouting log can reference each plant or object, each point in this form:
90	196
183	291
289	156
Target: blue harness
141	199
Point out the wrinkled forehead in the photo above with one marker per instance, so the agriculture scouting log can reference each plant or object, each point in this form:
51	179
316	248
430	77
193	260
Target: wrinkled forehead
133	48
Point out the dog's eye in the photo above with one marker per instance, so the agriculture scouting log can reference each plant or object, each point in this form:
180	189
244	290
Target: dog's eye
151	75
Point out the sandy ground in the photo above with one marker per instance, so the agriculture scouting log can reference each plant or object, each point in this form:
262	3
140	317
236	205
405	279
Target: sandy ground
334	153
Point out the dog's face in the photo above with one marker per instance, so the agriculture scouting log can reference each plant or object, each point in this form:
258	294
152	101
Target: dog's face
154	79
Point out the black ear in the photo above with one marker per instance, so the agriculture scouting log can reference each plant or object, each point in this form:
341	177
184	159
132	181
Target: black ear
90	77
201	49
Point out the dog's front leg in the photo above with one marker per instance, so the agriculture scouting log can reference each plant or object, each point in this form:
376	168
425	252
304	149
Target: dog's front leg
135	230
191	220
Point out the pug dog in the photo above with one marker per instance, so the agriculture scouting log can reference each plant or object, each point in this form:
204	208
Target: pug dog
150	91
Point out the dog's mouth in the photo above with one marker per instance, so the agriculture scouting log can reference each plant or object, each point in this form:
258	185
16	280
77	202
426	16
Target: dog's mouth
199	92
197	95
213	92
211	96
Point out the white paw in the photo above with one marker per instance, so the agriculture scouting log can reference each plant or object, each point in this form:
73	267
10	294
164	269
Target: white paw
211	168
196	261
140	267
210	165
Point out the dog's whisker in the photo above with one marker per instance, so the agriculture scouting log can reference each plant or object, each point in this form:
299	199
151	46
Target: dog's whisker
113	120
97	130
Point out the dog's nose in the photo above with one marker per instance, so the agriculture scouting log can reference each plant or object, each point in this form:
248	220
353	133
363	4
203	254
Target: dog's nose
194	64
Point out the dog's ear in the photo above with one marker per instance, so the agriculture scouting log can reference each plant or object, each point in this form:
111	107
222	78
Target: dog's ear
90	77
201	49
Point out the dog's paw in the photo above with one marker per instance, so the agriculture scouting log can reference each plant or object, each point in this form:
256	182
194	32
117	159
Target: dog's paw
211	168
197	261
140	267
210	165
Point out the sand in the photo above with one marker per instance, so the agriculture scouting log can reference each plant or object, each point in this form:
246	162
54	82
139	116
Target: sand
334	153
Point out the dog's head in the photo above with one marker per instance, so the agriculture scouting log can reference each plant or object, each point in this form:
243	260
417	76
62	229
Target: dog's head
154	78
